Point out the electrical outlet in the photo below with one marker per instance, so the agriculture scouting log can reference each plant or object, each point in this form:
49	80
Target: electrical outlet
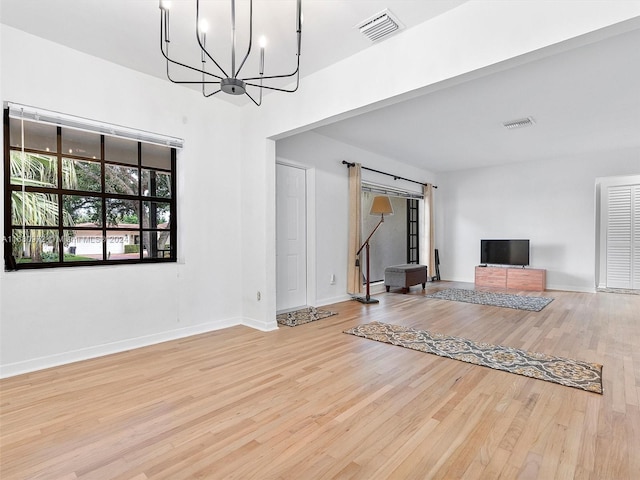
332	280
258	296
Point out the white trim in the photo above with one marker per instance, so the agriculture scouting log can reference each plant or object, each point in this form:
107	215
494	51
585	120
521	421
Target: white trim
330	301
618	181
262	325
311	237
570	288
40	363
41	115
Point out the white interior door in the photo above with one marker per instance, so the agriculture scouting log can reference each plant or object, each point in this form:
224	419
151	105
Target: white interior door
291	241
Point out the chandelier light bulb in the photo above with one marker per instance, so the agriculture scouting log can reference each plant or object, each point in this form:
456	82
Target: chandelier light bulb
204	25
165	4
263	43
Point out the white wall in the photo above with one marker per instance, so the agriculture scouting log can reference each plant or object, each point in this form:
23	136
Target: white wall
325	156
550	202
54	316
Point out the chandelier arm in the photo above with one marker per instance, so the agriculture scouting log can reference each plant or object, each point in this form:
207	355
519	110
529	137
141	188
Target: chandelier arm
202	46
193	82
253	100
250	39
270	77
211	58
212	93
203	84
299	41
296	72
169	60
274	88
190	68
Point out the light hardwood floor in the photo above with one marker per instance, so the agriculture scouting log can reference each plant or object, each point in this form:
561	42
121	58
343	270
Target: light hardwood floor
310	402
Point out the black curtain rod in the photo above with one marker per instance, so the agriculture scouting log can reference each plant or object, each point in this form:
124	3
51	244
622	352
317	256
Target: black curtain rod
395	177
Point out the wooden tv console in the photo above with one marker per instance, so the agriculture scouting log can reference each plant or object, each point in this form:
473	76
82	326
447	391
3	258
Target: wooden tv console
533	279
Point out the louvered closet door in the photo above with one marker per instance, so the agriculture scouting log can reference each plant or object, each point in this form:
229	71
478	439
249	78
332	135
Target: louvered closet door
623	236
635	215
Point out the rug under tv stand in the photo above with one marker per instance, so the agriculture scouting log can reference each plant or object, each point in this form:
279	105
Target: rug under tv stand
512	278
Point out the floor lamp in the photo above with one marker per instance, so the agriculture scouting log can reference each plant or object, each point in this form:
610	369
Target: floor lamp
381	206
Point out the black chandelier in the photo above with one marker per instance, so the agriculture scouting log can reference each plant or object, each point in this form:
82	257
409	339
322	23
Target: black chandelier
226	81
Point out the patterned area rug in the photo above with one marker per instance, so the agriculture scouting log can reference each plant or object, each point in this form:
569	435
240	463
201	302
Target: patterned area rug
571	373
305	315
519	302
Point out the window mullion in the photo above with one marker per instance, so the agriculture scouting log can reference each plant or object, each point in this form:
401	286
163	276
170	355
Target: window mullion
103	200
173	227
140	203
59	186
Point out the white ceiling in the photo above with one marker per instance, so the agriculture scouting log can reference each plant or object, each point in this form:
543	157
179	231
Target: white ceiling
126	32
584	99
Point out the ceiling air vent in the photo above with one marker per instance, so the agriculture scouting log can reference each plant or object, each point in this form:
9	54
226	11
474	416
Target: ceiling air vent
379	26
520	123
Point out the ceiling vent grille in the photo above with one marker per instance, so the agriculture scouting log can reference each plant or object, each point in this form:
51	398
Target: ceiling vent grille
379	26
520	123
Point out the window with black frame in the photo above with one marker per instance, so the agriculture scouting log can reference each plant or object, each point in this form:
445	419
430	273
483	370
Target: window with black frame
77	196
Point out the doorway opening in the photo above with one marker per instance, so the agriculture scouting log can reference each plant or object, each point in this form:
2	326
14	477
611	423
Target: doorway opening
292	238
398	241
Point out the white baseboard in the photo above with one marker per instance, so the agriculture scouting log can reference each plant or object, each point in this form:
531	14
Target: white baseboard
40	363
329	301
260	324
572	288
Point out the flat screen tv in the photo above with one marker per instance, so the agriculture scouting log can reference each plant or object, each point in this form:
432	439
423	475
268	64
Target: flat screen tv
504	252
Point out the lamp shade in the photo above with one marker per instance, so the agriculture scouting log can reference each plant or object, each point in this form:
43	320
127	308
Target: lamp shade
381	206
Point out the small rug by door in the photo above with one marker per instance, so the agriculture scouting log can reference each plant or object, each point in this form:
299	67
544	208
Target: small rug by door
304	315
519	302
564	371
